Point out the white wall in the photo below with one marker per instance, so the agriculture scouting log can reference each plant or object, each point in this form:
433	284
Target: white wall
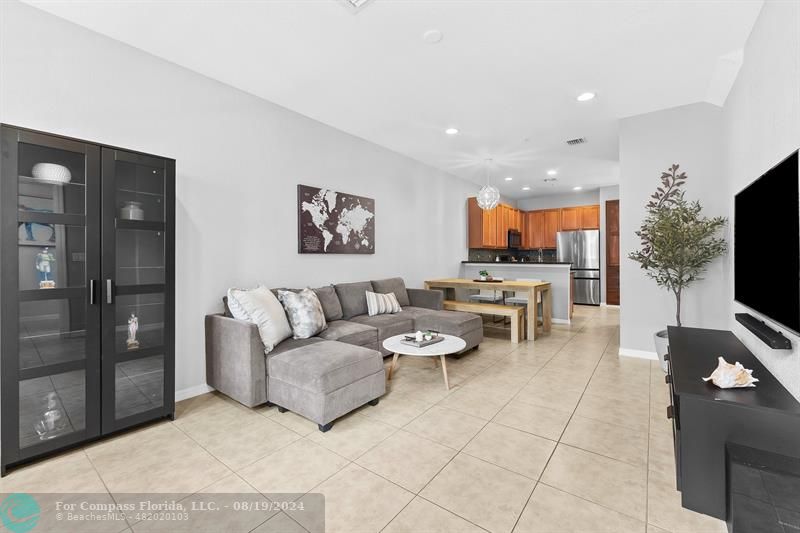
650	144
761	124
554	201
239	160
605	194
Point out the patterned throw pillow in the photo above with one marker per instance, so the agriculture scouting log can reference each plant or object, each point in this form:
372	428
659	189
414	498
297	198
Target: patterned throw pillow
382	304
304	311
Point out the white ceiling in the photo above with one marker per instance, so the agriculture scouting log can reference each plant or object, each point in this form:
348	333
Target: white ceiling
506	73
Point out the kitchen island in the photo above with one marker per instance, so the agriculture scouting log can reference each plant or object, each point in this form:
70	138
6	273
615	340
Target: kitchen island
558	274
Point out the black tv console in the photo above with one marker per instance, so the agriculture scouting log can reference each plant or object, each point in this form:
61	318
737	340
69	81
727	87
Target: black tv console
706	419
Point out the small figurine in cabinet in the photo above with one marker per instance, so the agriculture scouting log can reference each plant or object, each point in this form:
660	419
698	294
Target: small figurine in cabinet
45	262
133	327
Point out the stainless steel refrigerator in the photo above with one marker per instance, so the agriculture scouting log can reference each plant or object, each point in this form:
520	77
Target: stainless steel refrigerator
582	249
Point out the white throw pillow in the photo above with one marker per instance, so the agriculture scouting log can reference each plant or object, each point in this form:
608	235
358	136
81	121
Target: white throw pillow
263	309
236	309
382	304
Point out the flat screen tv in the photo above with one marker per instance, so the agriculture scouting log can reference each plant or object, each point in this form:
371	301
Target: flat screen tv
767	245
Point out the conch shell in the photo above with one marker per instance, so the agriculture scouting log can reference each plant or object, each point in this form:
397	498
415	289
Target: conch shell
728	376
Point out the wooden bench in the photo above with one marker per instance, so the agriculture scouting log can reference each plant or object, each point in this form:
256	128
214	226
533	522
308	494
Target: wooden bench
517	314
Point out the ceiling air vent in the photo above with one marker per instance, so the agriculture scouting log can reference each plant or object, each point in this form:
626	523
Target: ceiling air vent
579	140
354	5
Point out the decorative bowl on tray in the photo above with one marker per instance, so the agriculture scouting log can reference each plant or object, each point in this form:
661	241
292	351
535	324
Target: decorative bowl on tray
428	338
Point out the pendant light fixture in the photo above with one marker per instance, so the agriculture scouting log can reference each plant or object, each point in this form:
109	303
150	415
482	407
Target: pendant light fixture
488	196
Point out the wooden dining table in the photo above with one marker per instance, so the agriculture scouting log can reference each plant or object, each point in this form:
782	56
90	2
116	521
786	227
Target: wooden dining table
533	288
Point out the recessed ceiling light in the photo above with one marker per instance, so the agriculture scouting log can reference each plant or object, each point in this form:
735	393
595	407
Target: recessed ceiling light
526	188
451	131
577	188
585	97
552	172
432	36
509	178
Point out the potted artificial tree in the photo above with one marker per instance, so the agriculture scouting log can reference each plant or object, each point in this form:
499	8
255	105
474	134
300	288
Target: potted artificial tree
678	243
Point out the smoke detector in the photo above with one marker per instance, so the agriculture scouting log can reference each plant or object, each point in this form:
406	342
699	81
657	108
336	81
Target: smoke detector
354	5
577	140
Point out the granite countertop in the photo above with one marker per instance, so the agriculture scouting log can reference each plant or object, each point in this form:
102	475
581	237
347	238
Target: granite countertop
515	262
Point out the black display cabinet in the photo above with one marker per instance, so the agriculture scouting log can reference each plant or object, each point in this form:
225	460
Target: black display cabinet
87	256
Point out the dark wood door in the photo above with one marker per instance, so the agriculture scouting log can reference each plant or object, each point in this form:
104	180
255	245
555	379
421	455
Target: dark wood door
612	252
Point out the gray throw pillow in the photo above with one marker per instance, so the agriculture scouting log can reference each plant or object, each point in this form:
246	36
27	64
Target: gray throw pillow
330	303
353	298
304	311
395	285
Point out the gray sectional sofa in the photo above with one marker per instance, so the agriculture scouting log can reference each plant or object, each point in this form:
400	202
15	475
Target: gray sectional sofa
327	376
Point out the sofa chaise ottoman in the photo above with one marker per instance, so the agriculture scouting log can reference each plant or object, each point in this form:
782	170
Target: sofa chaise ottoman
340	369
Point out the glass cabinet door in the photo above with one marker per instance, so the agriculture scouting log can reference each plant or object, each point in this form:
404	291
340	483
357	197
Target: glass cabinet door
137	324
49	200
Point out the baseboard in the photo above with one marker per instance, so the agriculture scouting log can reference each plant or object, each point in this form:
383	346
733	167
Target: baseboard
641	354
560	321
613	306
191	392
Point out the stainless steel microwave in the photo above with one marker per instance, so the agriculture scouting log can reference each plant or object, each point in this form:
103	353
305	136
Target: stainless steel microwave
514	238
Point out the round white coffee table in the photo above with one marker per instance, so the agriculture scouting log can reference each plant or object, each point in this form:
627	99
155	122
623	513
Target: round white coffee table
448	346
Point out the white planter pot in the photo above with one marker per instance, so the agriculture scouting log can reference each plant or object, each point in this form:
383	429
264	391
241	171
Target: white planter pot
662	347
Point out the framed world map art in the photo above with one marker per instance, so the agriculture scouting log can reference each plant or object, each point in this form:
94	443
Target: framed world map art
330	222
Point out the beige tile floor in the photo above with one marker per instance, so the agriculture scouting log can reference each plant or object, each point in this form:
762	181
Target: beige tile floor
556	435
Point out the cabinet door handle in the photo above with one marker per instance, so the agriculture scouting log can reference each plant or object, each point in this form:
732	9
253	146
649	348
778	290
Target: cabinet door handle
667	379
109	292
92	285
670	412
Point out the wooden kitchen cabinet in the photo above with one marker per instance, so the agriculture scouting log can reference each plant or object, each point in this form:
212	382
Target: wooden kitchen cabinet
580	217
590	217
551	227
489	229
481	226
515	220
525	230
570	218
537	229
503	220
